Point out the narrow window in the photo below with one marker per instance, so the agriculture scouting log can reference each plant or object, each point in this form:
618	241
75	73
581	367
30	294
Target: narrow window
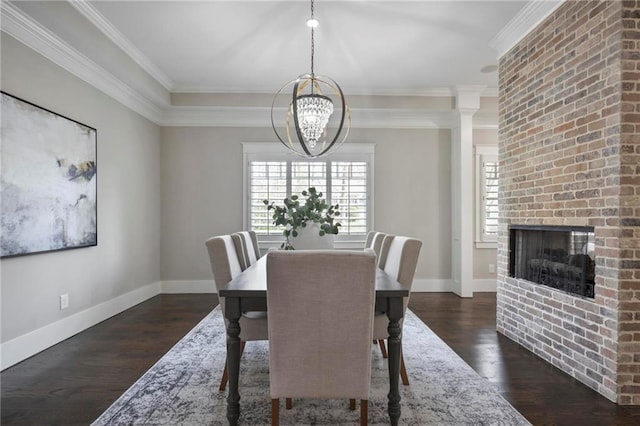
487	173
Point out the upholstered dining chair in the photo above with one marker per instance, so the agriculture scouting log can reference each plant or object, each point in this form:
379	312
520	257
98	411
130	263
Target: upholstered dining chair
374	241
225	265
321	306
246	244
398	258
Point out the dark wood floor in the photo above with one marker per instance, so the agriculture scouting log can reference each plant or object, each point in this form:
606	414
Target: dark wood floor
76	380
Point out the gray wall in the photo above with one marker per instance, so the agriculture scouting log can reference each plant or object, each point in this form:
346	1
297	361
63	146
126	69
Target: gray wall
128	253
163	191
202	183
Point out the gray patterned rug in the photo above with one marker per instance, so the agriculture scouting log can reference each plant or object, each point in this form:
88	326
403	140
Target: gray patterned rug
182	388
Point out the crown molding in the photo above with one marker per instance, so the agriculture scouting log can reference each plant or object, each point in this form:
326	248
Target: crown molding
364	118
99	21
215	116
489	92
398	118
522	24
27	31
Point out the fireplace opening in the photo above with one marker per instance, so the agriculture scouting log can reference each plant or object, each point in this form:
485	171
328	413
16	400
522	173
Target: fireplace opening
561	257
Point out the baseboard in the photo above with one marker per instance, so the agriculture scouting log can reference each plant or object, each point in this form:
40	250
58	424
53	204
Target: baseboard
424	285
485	285
194	286
15	350
27	345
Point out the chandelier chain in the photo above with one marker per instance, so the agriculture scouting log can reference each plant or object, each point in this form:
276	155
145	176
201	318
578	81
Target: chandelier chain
308	132
312	38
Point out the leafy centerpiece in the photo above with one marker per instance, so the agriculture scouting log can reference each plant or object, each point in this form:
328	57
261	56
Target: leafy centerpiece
294	215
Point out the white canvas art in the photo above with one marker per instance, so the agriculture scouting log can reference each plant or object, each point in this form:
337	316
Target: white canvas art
48	181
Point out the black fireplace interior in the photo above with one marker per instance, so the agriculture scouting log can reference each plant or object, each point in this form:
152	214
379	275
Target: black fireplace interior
561	257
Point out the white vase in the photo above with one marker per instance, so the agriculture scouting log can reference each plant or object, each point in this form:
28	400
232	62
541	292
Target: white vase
309	238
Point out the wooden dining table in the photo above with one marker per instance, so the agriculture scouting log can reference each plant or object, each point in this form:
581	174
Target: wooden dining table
248	292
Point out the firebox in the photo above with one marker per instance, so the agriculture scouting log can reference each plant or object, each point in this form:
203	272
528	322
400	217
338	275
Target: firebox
561	257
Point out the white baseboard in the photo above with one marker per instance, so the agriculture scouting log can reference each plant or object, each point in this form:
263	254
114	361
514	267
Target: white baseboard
424	285
485	285
194	286
22	347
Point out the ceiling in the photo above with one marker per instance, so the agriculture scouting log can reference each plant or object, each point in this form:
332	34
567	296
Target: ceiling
146	53
369	47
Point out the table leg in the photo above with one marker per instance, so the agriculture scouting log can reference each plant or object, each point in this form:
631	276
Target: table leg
394	349
233	367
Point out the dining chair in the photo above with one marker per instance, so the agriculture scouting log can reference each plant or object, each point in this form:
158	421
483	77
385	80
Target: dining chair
398	258
321	306
225	265
246	244
374	241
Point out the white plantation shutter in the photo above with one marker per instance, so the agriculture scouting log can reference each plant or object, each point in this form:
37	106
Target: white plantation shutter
349	191
487	173
267	181
490	224
343	179
307	174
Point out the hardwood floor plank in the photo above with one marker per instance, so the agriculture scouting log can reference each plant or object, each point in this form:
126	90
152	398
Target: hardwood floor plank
542	393
73	382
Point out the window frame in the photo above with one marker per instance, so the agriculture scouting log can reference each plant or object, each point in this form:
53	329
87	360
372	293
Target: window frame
483	155
268	151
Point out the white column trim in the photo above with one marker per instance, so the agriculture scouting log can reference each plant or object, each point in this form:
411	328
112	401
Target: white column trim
462	178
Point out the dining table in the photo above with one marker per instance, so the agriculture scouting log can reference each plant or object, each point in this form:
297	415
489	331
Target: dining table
248	292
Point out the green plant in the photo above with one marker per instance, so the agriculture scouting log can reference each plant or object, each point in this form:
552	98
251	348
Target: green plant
294	214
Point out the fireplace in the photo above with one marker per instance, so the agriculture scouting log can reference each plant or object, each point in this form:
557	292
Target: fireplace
561	257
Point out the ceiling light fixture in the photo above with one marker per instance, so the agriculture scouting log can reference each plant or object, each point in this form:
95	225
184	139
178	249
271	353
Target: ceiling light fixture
316	115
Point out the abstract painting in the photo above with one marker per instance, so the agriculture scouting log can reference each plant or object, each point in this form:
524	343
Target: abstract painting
48	180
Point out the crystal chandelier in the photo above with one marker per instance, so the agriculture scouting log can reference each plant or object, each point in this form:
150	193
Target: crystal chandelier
315	119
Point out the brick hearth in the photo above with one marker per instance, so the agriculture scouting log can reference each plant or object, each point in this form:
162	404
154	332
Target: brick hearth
569	111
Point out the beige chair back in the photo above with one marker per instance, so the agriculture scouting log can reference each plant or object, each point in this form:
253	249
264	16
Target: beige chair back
238	243
321	307
369	239
246	243
225	264
374	241
399	258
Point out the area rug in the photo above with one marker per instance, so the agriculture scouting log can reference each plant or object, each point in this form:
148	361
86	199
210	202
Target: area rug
182	387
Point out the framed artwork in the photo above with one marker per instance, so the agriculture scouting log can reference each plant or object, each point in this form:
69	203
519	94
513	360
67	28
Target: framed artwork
48	181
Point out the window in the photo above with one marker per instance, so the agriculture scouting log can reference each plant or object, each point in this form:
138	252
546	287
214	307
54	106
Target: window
344	178
487	172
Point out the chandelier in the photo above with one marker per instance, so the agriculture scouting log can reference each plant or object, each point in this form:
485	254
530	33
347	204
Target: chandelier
314	118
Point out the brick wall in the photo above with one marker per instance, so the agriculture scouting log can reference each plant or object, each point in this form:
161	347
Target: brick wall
569	113
629	275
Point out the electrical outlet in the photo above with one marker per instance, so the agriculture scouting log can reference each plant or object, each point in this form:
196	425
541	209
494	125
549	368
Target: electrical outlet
492	268
64	301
